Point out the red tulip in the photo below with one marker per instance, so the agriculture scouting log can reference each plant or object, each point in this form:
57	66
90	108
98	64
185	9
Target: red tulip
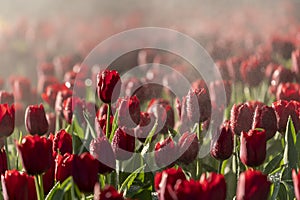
35	120
187	190
253	147
7	120
145	126
296	181
22	89
50	93
107	193
14	185
62	142
36	154
61	96
31	188
252	71
49	175
213	186
283	110
73	105
265	117
252	185
280	75
85	172
123	144
198	105
222	143
188	147
109	85
3	161
101	149
241	118
6	97
51	119
288	92
166	153
63	167
129	112
165	182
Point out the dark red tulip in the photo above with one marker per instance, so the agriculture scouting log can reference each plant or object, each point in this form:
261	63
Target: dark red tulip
188	145
3	161
85	172
216	88
31	188
265	117
51	119
61	96
129	112
35	120
252	71
222	143
198	105
63	167
282	46
166	153
145	126
241	118
7	120
280	75
165	182
101	149
253	147
253	104
213	186
252	185
6	97
296	61
109	85
50	93
36	154
288	91
14	185
163	111
73	105
123	144
296	181
187	190
283	110
107	193
62	142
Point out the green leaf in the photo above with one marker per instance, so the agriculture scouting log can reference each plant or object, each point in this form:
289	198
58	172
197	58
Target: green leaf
276	187
290	153
86	117
53	191
129	180
289	189
273	163
114	126
150	135
77	128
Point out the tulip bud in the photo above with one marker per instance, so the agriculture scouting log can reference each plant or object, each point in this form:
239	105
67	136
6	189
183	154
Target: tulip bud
32	148
252	185
63	167
129	112
253	147
3	161
145	126
265	118
107	193
101	149
85	172
35	120
7	120
296	181
288	91
123	144
166	153
14	185
109	85
188	147
165	182
241	118
213	186
6	97
283	110
222	143
198	105
62	142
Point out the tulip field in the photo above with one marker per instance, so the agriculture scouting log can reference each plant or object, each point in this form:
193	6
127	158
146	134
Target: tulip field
172	113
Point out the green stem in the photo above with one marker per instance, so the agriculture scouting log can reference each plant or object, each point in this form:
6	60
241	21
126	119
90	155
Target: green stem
108	120
38	179
220	167
7	153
